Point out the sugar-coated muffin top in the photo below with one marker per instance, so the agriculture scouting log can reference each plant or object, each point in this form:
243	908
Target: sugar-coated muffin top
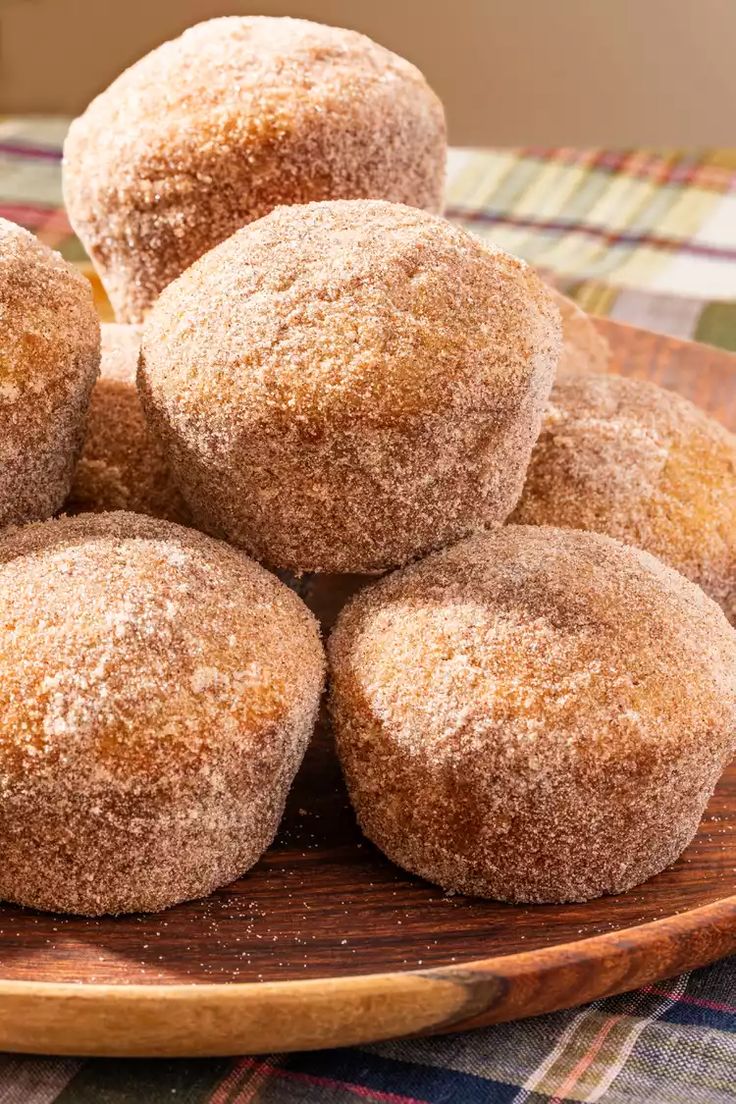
349	309
640	463
49	326
135	644
531	639
237	115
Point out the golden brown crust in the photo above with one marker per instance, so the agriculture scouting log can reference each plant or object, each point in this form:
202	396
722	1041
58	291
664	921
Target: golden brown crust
49	357
343	386
584	348
122	466
629	459
235	117
534	714
157	692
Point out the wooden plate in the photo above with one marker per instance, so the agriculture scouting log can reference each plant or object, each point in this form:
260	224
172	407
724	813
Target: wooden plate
325	943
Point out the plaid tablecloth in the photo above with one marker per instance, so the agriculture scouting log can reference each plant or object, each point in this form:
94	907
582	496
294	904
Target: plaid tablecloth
644	236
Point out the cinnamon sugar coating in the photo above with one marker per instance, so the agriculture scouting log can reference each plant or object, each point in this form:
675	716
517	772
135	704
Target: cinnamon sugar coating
584	348
535	714
627	458
157	693
233	118
344	386
49	357
122	466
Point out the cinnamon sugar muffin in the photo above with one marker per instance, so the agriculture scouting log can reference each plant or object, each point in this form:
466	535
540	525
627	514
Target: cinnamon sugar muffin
122	466
49	357
584	348
157	692
343	386
627	458
534	714
235	117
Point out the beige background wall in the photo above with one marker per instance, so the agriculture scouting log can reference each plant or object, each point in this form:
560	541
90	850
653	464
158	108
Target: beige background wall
531	71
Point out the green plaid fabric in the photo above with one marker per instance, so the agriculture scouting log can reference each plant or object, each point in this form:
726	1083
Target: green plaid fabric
644	236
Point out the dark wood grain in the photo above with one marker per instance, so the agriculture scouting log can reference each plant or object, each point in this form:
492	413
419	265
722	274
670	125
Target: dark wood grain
324	904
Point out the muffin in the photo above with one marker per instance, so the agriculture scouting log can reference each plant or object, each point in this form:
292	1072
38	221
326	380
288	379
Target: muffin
238	115
344	386
627	458
533	715
584	348
49	359
122	466
157	692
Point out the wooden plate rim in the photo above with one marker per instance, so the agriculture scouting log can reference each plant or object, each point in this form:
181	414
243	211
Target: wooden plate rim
251	1017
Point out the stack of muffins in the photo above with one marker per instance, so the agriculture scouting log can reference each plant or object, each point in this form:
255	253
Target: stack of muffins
312	369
